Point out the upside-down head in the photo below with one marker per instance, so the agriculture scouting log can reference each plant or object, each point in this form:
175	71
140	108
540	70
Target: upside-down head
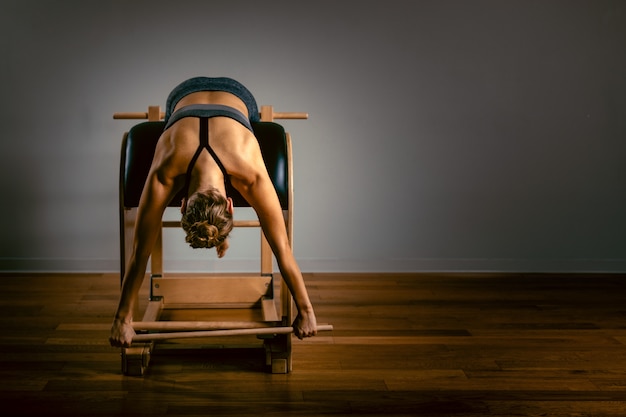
207	219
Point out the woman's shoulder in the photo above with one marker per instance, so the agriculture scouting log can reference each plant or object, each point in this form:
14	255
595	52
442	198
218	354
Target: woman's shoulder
175	147
242	155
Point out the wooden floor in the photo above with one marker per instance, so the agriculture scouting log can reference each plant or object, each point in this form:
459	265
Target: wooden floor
403	345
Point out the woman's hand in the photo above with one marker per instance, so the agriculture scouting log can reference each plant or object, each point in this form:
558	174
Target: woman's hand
305	324
221	249
122	333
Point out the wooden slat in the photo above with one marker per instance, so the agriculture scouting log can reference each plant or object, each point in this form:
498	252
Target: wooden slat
181	326
268	305
266	256
236	223
153	311
227	289
156	257
128	217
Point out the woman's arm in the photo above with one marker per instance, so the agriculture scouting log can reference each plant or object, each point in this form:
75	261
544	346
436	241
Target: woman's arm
261	195
154	199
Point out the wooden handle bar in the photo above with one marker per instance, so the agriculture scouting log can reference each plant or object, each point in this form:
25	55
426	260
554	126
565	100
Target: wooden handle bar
135	115
144	115
231	332
290	115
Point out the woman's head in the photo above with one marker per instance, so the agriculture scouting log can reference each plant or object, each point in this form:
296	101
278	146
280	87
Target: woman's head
207	219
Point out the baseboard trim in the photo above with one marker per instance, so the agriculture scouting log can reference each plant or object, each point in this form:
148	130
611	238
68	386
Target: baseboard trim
329	265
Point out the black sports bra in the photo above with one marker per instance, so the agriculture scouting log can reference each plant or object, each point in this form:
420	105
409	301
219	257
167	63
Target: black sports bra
204	112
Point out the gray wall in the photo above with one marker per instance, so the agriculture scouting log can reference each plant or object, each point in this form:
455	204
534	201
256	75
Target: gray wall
443	135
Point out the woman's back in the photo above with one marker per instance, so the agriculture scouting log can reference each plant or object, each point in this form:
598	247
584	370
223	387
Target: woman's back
233	143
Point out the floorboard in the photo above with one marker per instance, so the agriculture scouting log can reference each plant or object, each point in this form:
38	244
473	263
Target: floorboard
404	345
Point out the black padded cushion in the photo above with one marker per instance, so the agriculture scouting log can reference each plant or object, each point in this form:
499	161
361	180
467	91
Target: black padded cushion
138	150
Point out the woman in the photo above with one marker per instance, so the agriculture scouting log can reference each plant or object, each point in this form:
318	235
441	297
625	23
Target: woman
207	142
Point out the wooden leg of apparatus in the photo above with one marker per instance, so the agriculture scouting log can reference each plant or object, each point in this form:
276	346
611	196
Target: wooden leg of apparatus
135	359
278	354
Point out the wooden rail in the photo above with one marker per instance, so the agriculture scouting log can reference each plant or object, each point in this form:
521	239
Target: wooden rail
227	332
154	113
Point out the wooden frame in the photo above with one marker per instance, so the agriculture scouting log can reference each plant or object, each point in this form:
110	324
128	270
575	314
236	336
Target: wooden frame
251	296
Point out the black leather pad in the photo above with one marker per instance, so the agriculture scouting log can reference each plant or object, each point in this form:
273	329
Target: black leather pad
138	150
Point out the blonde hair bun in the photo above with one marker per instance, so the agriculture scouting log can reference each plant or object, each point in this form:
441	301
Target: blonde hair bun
207	220
202	234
